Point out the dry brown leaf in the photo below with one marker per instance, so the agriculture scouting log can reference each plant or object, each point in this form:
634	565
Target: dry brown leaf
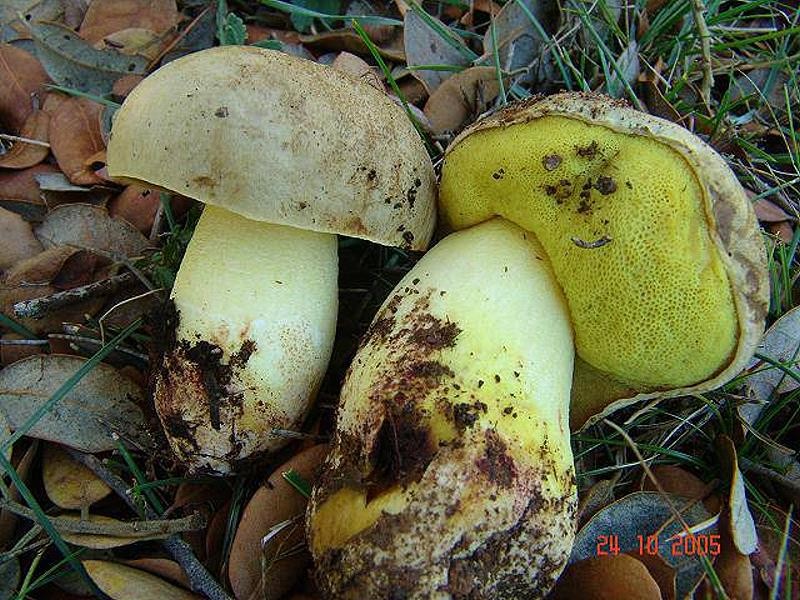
349	41
52	101
78	269
661	572
137	205
8	521
600	495
215	538
163	567
424	45
11	353
90	227
19	191
735	574
676	480
413	90
124	85
22	154
21	75
122	582
134	40
105	17
461	98
358	68
607	578
191	496
67	482
768	212
783	230
271	504
30	279
75	137
257	33
17	242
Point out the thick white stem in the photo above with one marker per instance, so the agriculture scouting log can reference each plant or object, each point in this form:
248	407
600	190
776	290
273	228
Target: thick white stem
256	308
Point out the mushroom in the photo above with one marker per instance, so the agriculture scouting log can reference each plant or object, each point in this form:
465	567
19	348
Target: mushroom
286	153
648	231
450	473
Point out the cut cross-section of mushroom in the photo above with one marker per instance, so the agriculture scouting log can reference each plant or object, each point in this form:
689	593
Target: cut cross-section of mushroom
288	152
649	233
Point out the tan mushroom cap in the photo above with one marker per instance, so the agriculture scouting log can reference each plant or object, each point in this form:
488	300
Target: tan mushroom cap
651	237
280	139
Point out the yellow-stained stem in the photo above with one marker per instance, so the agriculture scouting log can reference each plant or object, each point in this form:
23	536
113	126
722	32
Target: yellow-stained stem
451	473
256	315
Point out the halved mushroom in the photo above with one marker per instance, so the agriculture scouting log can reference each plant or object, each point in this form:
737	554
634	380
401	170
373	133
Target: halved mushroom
288	152
450	474
649	233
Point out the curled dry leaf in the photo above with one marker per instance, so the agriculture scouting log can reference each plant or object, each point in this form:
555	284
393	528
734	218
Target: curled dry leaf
215	539
72	61
17	242
67	482
607	578
22	154
122	582
461	98
645	514
136	205
106	17
738	517
99	405
19	192
21	75
90	227
75	137
257	572
425	46
162	567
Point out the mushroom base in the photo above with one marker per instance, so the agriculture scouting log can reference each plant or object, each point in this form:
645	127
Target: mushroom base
450	473
256	307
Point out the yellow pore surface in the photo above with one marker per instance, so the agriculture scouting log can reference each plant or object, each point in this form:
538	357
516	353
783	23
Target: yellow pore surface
623	221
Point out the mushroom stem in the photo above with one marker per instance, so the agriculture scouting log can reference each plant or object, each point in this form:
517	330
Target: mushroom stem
451	472
256	315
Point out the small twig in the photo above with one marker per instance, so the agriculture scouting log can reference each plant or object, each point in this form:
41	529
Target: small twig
24	140
131	529
23	342
200	579
590	245
79	339
698	7
787	482
38	307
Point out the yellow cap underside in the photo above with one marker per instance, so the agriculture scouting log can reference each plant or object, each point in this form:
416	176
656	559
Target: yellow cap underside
650	301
